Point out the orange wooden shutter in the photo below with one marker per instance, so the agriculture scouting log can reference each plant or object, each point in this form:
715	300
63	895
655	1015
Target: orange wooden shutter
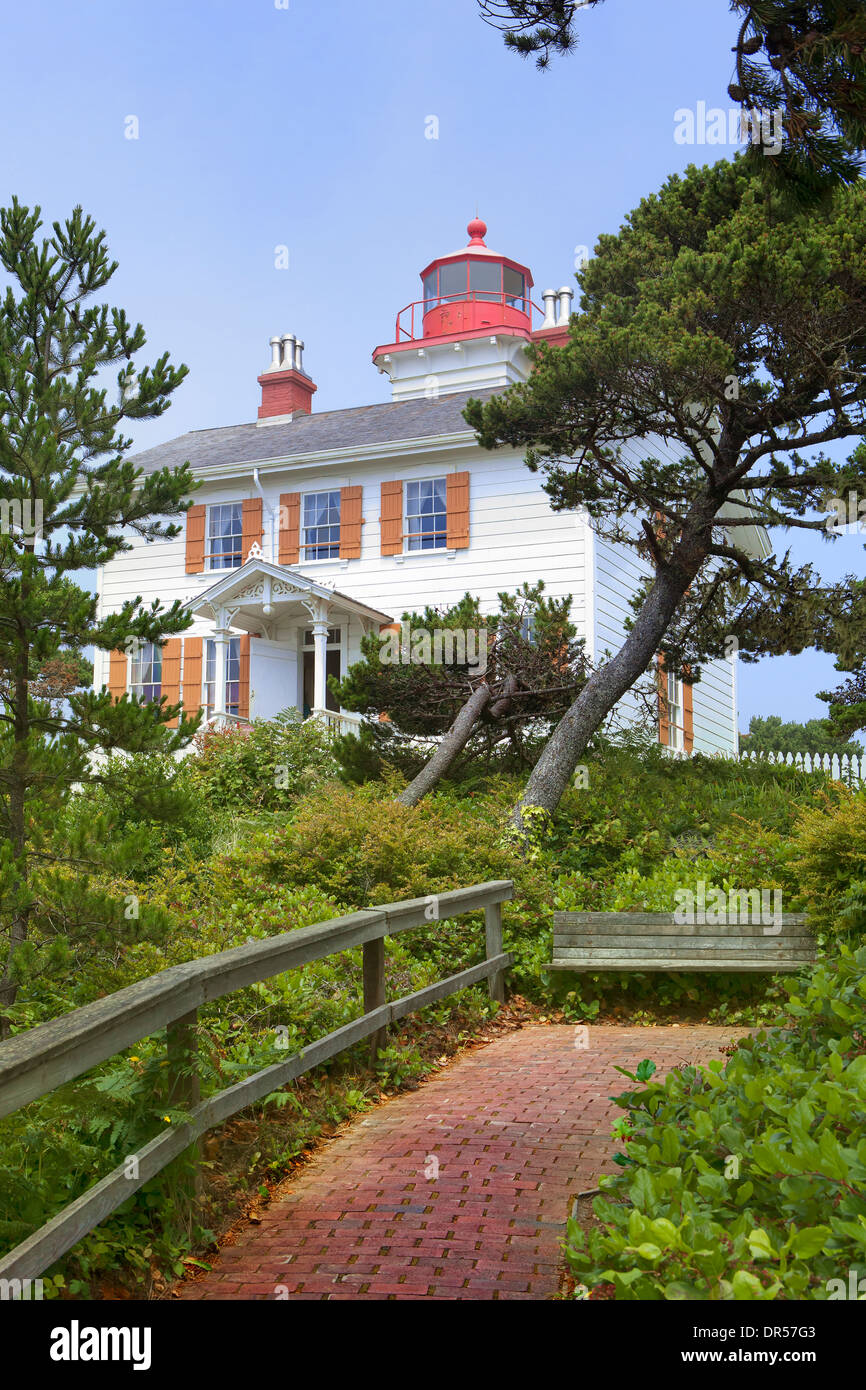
457	496
290	528
664	711
117	669
171	674
391	518
192	656
195	521
350	523
252	529
244	678
688	717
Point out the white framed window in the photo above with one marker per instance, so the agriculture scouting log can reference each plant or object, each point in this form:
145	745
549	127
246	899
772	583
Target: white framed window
224	536
145	678
231	704
426	522
321	526
675	711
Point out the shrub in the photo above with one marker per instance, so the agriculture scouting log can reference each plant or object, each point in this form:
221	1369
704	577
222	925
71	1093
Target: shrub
830	862
162	809
362	847
265	765
746	1182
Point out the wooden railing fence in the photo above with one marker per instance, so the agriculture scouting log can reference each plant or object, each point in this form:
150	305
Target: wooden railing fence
38	1061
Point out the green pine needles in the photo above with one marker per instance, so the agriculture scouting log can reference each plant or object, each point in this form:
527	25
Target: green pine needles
70	501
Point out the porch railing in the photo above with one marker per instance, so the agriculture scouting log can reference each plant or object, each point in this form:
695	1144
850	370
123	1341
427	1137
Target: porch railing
337	722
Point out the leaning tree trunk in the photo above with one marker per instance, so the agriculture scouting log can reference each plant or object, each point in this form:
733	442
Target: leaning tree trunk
554	769
450	745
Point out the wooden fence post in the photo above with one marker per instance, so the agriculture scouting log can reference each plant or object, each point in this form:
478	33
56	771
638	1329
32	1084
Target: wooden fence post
374	989
493	947
184	1093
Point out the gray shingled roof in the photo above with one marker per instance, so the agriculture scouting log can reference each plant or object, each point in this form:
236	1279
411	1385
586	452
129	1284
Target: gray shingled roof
306	434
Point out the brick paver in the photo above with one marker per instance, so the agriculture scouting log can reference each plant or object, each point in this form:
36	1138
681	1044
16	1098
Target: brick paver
461	1189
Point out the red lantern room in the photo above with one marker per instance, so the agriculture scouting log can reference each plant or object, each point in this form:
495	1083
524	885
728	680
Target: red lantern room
472	325
474	289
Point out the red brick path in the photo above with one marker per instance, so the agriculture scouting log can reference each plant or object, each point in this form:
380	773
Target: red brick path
517	1129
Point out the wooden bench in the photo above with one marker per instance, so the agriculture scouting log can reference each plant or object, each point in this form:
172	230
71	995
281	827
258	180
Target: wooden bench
655	941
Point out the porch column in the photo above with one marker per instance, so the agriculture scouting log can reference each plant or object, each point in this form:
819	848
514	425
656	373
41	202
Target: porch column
221	650
320	661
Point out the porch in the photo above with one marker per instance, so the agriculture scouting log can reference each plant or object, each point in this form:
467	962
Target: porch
281	635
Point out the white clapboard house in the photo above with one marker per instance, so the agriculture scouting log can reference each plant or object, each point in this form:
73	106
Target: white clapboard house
311	529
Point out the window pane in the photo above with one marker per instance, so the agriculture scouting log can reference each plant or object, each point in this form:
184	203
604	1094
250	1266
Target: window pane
485	280
429	283
514	286
452	278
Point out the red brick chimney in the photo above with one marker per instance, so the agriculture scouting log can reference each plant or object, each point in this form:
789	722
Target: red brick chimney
286	387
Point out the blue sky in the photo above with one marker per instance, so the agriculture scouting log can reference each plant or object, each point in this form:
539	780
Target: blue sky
304	127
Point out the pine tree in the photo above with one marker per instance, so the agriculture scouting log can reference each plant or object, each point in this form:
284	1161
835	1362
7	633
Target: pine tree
69	502
485	682
729	323
803	58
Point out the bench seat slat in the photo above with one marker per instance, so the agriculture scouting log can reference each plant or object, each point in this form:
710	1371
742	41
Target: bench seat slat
700	946
663	929
655	941
684	966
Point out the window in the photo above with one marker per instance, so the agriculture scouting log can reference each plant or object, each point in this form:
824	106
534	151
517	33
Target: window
514	285
674	692
233	677
452	279
146	681
430	291
427	514
321	538
485	280
224	536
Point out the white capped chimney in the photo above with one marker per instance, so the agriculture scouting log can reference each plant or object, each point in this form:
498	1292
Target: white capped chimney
550	298
566	295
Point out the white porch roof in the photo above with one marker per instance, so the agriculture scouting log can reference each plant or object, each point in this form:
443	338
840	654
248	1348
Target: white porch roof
258	594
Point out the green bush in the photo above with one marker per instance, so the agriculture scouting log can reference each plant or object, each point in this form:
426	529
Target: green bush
360	846
829	858
264	765
746	1181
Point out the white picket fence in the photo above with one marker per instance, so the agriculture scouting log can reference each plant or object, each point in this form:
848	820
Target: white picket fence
851	770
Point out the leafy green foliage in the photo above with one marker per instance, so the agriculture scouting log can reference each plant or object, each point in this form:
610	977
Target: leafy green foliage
215	879
263	766
831	862
748	1181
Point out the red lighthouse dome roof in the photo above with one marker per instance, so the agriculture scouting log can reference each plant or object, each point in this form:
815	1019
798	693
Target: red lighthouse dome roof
477	246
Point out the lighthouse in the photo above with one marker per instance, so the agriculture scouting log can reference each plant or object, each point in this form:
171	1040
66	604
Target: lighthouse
471	326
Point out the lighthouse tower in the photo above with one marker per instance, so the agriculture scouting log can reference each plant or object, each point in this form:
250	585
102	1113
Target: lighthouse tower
471	327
